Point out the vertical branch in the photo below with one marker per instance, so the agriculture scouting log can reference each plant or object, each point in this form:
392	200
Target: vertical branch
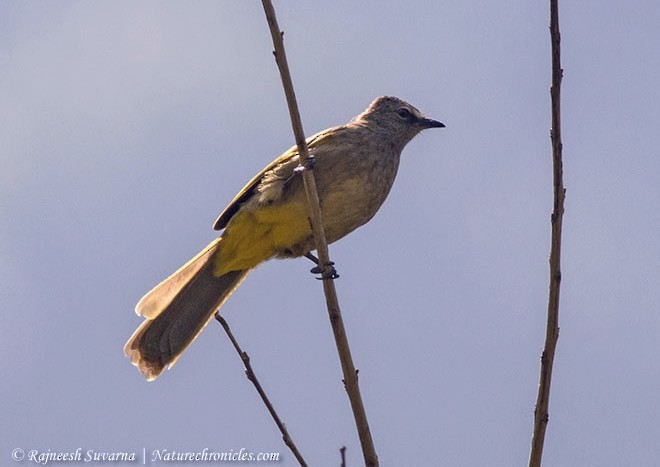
552	327
336	321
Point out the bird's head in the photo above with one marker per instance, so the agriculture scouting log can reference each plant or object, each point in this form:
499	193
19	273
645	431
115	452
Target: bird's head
396	119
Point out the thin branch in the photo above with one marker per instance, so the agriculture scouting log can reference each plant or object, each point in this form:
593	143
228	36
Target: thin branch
552	327
249	372
306	161
342	451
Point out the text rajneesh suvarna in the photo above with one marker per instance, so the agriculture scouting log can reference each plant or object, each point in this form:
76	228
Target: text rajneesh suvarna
153	457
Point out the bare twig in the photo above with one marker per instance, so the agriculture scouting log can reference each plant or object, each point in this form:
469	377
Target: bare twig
348	368
249	372
552	327
342	451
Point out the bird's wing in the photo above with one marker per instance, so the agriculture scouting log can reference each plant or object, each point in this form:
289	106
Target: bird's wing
249	189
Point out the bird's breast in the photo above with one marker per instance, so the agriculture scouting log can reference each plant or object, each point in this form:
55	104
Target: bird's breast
353	198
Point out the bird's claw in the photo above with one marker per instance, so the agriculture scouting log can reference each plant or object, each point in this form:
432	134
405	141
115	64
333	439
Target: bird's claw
308	163
328	272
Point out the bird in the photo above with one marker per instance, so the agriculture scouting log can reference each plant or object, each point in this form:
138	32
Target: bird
355	167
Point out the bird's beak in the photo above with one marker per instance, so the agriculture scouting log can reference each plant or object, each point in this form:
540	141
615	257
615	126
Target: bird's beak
430	123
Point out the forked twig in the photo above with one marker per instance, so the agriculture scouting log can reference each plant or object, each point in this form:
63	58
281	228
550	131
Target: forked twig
249	372
552	326
348	368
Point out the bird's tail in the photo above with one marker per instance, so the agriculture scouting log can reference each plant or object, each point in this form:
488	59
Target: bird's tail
176	311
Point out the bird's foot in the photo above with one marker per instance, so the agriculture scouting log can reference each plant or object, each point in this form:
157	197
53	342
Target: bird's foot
308	163
327	272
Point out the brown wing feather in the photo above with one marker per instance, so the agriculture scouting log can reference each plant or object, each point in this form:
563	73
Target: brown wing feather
248	190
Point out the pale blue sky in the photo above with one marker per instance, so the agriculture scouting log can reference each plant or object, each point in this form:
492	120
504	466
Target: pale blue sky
126	127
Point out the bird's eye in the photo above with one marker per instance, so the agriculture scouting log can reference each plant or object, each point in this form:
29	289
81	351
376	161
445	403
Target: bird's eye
403	113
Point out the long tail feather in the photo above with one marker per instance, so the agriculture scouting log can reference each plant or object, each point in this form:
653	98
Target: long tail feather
177	310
